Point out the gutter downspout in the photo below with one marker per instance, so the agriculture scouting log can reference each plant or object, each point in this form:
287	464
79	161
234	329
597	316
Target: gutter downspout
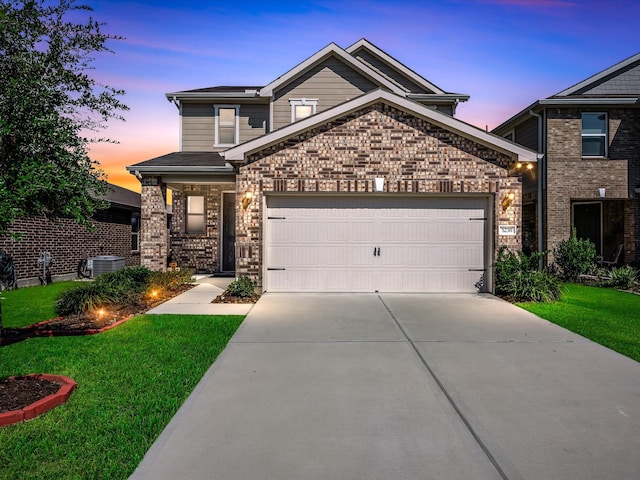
541	161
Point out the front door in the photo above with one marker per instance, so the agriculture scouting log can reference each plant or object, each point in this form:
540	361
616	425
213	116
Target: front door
228	232
587	220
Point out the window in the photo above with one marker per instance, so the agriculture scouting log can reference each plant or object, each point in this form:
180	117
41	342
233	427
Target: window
227	124
135	231
594	135
302	108
195	214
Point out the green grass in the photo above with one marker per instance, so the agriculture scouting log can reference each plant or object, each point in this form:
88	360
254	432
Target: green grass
131	381
29	305
604	315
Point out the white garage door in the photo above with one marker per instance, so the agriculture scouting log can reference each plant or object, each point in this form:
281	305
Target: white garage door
369	244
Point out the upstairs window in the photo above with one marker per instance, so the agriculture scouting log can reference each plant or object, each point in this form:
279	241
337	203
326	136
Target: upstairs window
302	108
227	125
195	214
594	134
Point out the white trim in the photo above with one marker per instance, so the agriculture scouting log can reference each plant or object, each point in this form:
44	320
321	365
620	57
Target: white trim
596	135
518	152
393	63
330	50
180	129
296	102
216	109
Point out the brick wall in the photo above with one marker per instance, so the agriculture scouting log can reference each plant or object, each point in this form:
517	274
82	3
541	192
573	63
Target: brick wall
154	237
345	156
200	252
572	178
68	242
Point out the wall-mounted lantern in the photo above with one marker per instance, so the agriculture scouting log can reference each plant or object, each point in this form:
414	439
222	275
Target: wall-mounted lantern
246	200
507	200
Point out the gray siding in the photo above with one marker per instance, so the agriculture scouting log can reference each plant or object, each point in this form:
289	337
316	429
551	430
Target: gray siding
197	127
198	124
526	134
254	120
332	82
389	72
625	83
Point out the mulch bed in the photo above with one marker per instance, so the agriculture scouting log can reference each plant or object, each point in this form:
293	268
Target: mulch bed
17	393
86	324
20	392
224	298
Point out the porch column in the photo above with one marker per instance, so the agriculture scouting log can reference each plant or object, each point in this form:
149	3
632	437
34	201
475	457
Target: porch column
154	238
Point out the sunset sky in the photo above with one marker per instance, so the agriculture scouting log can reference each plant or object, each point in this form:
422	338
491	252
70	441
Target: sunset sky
504	53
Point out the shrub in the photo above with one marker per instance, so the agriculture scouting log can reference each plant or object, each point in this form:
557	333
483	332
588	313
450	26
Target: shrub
535	286
241	287
511	264
126	279
623	277
169	279
517	275
85	297
574	257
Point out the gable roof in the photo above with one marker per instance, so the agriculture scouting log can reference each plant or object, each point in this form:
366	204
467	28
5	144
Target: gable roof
330	50
121	196
207	162
618	85
364	45
631	64
465	130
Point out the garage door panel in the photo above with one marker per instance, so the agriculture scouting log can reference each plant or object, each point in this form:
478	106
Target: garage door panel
359	244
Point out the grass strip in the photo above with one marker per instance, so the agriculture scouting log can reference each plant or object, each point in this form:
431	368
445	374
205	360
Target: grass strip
605	315
131	381
28	305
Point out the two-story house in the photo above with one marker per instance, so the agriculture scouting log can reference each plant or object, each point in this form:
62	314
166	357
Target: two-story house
589	174
347	173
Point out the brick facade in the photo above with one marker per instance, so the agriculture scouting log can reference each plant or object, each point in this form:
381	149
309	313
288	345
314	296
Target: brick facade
68	243
200	252
345	155
572	178
154	237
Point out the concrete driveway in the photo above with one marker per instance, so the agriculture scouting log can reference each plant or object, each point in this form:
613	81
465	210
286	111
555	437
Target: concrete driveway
396	386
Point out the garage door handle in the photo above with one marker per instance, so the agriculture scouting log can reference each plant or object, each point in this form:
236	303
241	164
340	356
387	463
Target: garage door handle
275	268
477	269
376	251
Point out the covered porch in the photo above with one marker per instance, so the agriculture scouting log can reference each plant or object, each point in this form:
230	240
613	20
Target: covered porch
188	212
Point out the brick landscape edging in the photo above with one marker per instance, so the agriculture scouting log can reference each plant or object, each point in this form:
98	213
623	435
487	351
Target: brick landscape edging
31	331
43	405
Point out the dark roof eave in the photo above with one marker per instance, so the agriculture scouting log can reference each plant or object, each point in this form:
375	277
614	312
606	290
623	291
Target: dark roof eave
228	168
439	97
553	101
210	95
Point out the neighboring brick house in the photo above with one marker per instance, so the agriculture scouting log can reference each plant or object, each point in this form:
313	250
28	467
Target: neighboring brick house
116	233
589	174
347	173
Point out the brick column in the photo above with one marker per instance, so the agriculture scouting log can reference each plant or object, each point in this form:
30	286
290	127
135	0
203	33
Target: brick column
154	239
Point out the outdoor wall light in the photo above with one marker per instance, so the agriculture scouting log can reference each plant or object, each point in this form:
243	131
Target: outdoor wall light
246	200
507	200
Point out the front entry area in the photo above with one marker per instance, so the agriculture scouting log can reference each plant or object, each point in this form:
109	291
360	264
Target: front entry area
375	243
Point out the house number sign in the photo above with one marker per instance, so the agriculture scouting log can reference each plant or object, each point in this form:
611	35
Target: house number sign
507	230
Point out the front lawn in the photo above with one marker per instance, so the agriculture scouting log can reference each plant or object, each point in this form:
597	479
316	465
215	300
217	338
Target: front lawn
28	305
131	381
604	315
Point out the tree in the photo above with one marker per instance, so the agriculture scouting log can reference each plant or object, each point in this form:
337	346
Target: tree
49	105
